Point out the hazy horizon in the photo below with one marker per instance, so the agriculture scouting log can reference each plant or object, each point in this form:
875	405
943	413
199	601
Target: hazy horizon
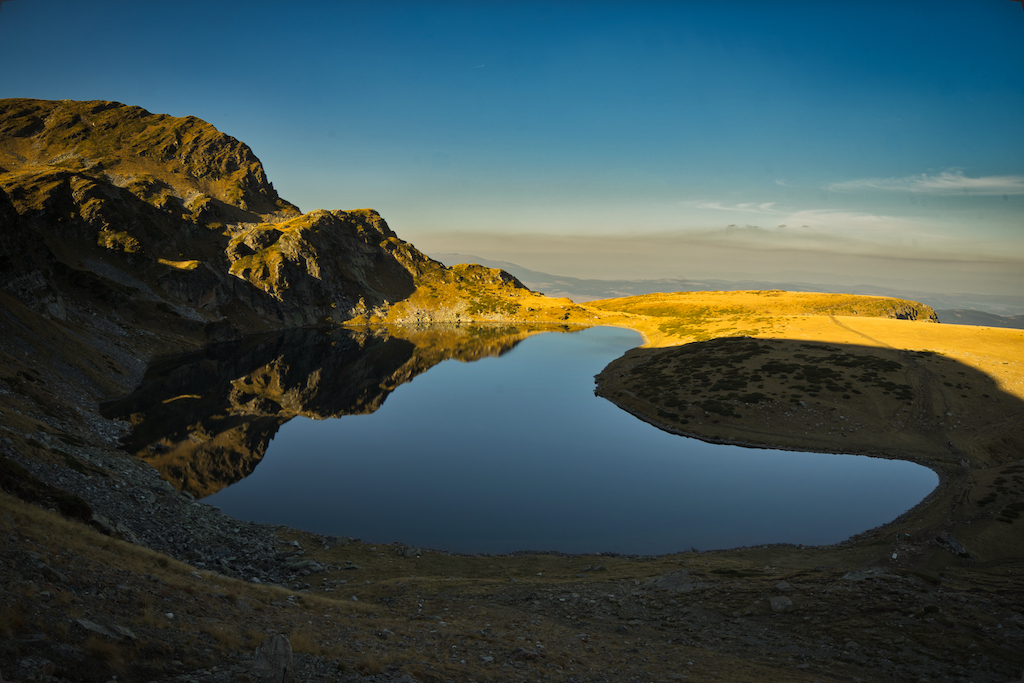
877	140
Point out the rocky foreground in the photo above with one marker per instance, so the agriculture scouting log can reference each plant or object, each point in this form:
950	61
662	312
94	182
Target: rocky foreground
157	586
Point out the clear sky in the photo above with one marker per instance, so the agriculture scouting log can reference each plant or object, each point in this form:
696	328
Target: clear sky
736	138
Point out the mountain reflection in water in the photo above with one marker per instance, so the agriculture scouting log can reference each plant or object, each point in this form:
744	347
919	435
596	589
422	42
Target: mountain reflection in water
204	420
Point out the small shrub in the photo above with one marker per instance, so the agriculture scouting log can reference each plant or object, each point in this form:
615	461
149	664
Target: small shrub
105	651
227	639
11	622
305	642
370	665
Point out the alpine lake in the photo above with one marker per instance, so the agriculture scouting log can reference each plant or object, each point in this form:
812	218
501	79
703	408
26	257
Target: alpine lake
480	439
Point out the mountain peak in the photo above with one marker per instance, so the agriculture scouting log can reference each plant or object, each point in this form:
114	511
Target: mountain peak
152	154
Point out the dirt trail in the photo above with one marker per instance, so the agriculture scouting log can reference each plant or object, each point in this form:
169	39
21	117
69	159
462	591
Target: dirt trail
860	334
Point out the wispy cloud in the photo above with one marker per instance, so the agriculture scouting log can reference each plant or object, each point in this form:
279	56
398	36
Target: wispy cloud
748	207
858	223
804	222
946	183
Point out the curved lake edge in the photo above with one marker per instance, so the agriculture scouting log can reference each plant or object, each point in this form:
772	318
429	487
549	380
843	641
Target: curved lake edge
945	472
937	468
941	470
683	548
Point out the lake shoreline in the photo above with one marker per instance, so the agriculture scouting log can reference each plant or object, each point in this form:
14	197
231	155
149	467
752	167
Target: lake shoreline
409	594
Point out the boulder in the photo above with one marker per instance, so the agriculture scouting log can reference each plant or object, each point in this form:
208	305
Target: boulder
272	662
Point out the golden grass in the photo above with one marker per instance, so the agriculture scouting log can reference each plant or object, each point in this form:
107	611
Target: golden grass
998	352
106	651
473	293
12	621
666	319
950	396
304	641
225	636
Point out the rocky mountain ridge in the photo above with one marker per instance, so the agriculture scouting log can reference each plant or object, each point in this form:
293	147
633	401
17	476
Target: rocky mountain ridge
166	223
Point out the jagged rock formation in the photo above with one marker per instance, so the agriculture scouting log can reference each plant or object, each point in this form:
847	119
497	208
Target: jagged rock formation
175	163
167	223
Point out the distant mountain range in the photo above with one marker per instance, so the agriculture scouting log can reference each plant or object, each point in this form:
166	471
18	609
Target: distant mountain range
956	308
964	316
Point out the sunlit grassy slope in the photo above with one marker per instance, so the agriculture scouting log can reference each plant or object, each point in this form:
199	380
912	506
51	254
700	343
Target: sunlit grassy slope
835	373
695	316
907	387
472	293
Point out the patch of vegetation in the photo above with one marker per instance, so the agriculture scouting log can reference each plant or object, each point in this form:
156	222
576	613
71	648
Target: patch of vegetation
1011	512
990	498
718	407
928	578
490	304
694	322
736	573
18	481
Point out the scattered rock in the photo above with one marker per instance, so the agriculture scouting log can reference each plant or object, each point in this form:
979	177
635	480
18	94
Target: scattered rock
97	628
676	582
780	604
336	541
954	545
861	574
272	662
124	631
522	654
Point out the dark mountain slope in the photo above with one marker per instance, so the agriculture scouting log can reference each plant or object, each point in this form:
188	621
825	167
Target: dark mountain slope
166	224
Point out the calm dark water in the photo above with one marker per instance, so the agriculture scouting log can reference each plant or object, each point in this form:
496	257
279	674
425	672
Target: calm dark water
516	453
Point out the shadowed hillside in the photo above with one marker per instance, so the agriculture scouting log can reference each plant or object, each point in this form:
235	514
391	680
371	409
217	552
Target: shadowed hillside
816	396
167	224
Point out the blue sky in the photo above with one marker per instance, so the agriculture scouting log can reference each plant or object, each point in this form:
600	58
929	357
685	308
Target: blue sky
734	138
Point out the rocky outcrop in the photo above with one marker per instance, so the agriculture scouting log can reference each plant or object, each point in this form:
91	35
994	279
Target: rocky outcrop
326	265
184	162
168	224
912	311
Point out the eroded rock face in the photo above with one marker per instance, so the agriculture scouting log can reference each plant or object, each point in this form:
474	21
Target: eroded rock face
174	226
326	264
150	154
